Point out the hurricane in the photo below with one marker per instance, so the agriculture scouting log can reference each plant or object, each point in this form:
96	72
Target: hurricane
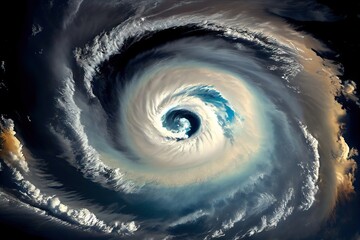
177	120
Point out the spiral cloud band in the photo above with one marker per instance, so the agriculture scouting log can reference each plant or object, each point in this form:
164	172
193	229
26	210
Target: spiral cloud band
181	122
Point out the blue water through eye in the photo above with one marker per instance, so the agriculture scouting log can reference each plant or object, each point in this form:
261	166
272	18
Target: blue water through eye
181	121
210	96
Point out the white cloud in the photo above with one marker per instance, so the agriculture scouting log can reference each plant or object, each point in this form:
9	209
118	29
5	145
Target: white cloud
3	66
11	147
239	215
310	170
71	11
349	91
217	234
36	29
89	164
192	217
280	213
81	217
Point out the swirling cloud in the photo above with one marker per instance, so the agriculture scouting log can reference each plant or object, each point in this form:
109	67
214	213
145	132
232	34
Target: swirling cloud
180	120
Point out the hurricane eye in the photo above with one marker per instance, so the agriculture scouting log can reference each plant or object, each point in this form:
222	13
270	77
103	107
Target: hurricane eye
179	120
